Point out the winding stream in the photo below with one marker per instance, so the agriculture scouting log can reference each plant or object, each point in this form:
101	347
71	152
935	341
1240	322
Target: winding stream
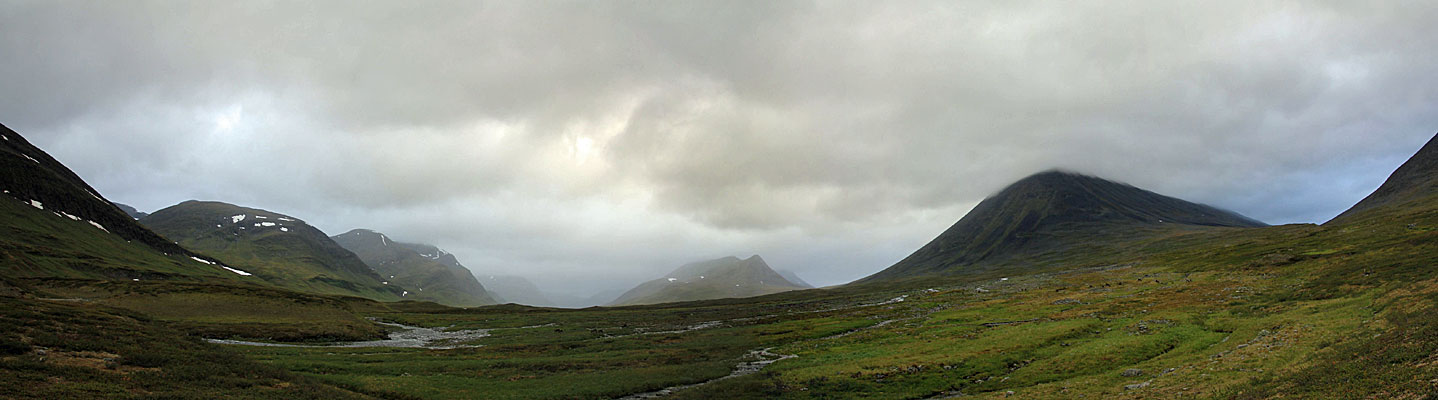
408	337
764	356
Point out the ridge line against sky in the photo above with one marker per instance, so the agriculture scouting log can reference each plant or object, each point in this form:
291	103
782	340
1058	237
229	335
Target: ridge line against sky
592	145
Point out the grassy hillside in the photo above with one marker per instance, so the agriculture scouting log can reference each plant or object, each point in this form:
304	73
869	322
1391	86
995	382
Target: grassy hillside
37	243
1294	311
30	175
282	250
1341	310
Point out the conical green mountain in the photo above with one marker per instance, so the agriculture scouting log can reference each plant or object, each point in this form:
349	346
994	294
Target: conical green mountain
1048	214
278	248
54	225
726	277
425	271
1415	180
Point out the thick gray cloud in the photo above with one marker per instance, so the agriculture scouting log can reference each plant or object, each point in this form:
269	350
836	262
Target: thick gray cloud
590	145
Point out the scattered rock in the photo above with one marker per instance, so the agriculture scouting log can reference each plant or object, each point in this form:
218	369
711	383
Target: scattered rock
1065	301
1131	372
1136	386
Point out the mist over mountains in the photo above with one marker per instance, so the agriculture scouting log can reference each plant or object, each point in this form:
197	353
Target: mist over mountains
569	200
855	133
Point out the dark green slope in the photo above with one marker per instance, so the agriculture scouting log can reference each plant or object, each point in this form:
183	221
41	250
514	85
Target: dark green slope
280	249
32	176
1415	180
54	225
425	271
727	277
1049	213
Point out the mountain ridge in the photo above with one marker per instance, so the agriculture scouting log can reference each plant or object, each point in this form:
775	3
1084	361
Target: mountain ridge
426	271
279	248
1048	212
32	175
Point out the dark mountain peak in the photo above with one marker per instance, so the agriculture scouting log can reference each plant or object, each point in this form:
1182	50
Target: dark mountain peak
1066	196
219	207
1059	174
1416	178
366	234
32	176
1049	211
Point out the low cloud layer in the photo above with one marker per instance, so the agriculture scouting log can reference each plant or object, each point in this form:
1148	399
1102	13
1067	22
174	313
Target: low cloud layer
593	145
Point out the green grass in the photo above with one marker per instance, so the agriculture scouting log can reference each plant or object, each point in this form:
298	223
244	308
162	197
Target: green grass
74	351
1296	311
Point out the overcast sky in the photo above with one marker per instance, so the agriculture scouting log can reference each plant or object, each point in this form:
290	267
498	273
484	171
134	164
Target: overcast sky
592	145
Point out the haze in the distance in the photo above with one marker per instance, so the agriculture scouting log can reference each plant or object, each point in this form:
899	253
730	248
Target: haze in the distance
593	145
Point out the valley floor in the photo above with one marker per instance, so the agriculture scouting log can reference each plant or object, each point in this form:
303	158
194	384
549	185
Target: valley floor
1295	311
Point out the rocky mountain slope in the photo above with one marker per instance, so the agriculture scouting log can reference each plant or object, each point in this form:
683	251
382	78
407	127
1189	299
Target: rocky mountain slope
427	272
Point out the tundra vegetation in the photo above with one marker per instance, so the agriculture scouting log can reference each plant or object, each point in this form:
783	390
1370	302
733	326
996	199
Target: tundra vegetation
1340	310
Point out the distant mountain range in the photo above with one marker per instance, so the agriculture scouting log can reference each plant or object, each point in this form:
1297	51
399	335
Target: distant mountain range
601	298
98	305
1032	220
1050	213
278	248
794	278
426	271
516	289
726	277
131	211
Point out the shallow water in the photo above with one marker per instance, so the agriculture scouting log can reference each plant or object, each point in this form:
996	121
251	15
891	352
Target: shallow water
763	358
408	337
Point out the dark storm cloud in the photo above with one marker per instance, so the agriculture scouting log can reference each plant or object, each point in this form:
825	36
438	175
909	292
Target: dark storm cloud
592	144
